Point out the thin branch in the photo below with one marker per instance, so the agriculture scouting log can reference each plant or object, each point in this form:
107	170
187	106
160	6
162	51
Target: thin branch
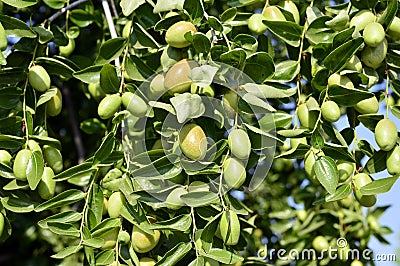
114	9
64	9
111	25
74	124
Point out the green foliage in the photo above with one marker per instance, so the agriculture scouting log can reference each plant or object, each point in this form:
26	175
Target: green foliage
166	106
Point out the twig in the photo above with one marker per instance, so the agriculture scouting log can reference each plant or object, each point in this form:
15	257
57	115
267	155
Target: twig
64	9
74	125
114	9
110	23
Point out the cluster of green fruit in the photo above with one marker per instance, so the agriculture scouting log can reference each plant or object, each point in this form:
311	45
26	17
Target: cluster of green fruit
113	201
193	144
111	103
39	79
374	37
144	240
273	13
24	160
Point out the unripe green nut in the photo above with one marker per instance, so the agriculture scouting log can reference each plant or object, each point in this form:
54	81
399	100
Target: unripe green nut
393	161
386	134
307	118
330	111
374	56
301	214
367	106
273	13
229	227
362	19
109	106
115	204
124	237
231	99
320	243
5	157
336	79
175	35
373	34
239	144
39	78
234	173
177	78
96	91
357	263
54	105
111	180
134	104
256	25
126	29
346	169
309	162
360	180
47	185
193	141
53	158
21	163
157	86
68	49
394	29
143	242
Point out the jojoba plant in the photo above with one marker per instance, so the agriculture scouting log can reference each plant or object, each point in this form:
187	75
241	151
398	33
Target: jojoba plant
169	144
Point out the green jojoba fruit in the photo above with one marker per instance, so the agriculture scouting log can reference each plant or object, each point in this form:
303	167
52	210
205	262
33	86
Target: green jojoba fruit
21	163
115	204
229	227
134	104
373	34
109	106
234	173
54	105
39	78
47	185
239	144
193	142
53	158
175	35
386	134
330	111
393	161
360	180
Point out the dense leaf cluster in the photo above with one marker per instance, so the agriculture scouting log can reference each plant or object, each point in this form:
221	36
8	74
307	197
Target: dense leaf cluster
158	131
